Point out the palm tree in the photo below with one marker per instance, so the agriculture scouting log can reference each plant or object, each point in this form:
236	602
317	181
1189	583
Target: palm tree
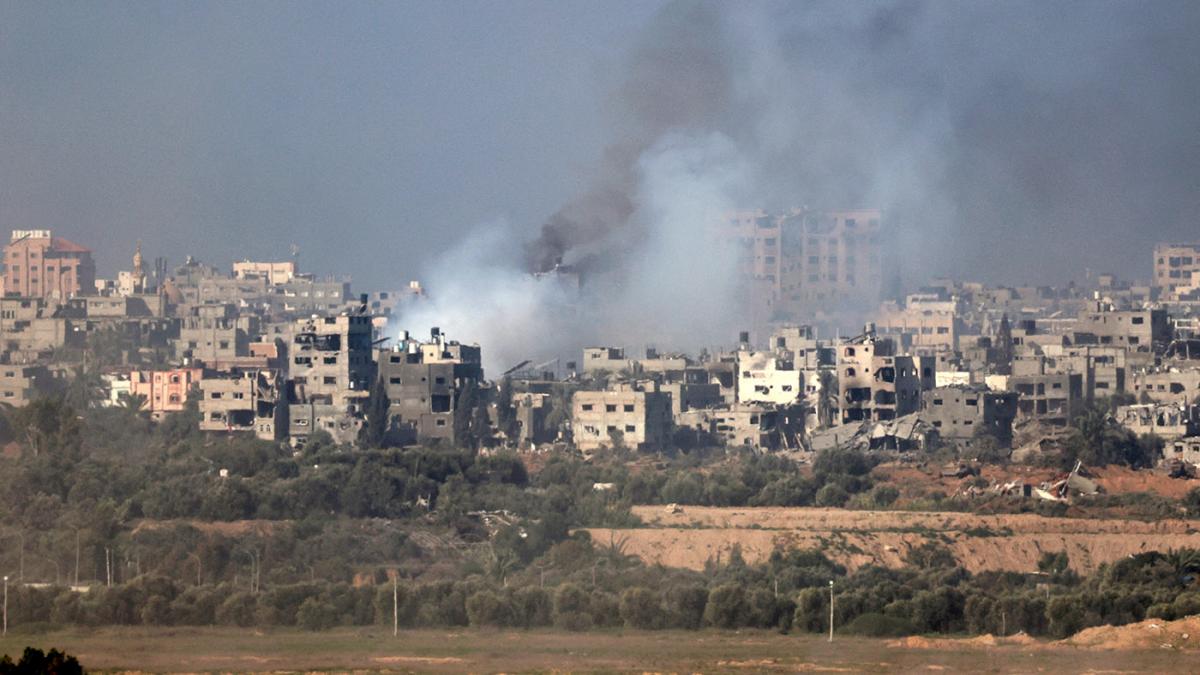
132	403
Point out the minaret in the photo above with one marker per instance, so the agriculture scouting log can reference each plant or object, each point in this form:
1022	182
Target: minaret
139	275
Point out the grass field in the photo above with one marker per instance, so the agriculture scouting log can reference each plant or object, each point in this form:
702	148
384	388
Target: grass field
235	650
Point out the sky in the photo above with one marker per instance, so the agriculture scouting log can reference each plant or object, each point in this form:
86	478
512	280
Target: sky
371	135
1011	142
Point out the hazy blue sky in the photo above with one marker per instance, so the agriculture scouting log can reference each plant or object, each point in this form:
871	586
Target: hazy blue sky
370	134
1011	141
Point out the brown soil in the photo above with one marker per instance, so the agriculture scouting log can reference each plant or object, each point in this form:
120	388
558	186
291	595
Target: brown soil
1150	634
856	538
1119	479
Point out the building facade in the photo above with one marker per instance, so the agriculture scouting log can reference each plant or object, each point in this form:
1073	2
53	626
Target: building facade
40	265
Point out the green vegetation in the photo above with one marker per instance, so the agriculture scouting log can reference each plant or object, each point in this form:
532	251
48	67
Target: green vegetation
169	526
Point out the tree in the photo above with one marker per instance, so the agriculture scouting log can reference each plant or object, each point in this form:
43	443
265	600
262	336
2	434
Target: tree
37	661
48	425
374	433
471	424
506	412
132	403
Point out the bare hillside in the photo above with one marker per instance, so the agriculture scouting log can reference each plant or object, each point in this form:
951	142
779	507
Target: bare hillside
856	538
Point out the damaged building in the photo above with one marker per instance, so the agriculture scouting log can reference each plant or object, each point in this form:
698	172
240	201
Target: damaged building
330	371
961	412
874	383
635	414
424	383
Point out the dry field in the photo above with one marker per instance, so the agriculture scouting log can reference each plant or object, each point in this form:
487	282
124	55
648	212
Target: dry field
368	650
856	538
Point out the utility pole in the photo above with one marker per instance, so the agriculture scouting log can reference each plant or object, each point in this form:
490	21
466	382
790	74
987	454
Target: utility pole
831	610
6	604
76	557
395	606
108	566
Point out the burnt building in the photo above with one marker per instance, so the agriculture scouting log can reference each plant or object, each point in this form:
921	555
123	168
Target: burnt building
874	383
330	370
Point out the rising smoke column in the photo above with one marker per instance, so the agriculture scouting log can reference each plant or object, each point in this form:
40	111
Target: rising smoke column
995	136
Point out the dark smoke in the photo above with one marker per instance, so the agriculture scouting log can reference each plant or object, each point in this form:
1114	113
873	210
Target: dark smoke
988	132
677	81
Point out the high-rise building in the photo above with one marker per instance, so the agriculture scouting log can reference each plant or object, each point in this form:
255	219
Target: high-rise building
805	260
40	265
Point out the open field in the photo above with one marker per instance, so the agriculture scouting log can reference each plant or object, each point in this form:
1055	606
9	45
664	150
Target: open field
235	650
856	538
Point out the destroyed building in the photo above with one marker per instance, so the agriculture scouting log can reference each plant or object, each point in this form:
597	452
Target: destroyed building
252	402
1168	421
874	383
962	412
330	371
424	383
1050	398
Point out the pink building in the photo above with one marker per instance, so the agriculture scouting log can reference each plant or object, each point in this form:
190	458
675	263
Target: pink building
165	391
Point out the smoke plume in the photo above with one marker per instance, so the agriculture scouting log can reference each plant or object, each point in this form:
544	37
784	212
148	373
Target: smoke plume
995	137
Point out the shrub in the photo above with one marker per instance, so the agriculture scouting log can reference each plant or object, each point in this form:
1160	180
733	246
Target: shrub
832	495
873	624
726	606
641	608
486	608
236	610
572	608
316	614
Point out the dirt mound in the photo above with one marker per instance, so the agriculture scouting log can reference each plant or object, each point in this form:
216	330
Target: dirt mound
985	641
1149	634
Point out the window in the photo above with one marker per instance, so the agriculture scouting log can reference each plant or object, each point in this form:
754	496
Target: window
330	380
224	344
393	380
628	407
587	407
850	372
629	428
972	402
215	395
330	360
439	380
239	395
611	407
441	422
1138	320
937	401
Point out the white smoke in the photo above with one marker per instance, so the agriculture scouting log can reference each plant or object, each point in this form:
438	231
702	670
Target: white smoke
667	289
